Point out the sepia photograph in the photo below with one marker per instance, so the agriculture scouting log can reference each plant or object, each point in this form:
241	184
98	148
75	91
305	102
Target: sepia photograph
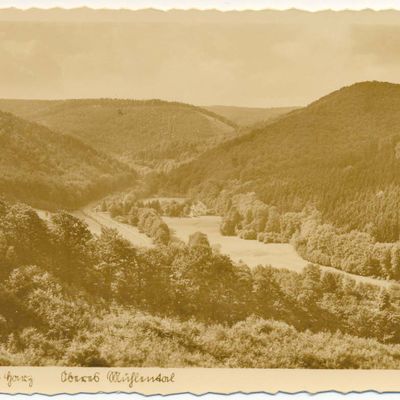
199	186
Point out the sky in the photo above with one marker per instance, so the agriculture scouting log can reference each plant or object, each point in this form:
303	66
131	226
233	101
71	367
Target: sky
219	58
224	5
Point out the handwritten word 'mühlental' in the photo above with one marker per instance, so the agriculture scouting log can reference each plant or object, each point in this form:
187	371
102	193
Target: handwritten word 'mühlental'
131	378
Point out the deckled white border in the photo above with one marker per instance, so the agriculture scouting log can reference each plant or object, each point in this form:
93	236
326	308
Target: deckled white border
210	396
223	5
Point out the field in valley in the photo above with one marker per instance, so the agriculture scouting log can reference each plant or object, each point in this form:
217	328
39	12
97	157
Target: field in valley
251	252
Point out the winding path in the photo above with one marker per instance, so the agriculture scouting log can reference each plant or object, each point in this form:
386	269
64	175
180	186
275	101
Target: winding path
97	219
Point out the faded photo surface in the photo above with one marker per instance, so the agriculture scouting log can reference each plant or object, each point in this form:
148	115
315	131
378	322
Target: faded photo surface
199	189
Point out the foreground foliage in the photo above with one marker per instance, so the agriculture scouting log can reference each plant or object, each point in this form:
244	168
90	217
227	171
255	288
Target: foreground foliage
125	337
70	298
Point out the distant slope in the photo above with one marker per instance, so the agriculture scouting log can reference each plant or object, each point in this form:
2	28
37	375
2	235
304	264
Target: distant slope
155	132
341	154
49	170
246	116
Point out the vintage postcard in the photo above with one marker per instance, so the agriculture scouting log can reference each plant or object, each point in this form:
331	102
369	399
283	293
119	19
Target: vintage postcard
199	196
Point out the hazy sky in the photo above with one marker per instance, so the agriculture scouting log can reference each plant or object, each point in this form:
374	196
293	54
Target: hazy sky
258	59
312	5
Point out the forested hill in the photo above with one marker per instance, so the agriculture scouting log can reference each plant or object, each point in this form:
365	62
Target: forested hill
341	154
154	132
49	170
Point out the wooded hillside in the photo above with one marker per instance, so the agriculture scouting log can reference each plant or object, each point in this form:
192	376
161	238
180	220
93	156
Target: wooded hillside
50	170
340	154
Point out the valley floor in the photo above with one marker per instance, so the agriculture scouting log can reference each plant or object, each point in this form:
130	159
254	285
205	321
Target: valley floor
250	252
